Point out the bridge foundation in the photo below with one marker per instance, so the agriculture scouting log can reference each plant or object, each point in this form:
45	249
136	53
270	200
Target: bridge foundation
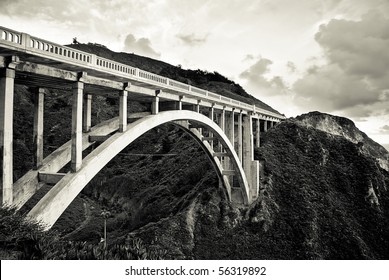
7	77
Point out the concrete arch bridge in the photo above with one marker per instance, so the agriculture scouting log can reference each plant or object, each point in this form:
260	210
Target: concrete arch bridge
227	129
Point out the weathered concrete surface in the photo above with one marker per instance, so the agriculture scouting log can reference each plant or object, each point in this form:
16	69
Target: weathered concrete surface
27	185
6	133
38	126
50	178
52	205
76	158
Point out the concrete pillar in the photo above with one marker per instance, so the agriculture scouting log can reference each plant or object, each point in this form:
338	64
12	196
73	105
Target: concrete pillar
39	96
250	167
87	118
179	106
155	106
7	77
223	120
76	156
265	127
258	132
198	106
240	136
211	116
248	139
231	127
198	111
123	111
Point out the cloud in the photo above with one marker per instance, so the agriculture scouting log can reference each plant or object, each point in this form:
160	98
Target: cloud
141	46
356	74
385	129
291	67
192	39
256	78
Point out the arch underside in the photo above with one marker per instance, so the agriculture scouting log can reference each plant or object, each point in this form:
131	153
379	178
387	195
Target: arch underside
55	202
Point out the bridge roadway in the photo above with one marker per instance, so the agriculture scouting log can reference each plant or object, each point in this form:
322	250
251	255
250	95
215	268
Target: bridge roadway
228	135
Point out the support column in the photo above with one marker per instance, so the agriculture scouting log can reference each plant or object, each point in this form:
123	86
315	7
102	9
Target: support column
240	136
76	156
123	111
258	132
248	145
211	116
231	127
180	103
248	142
198	111
198	106
87	118
223	120
265	125
7	77
250	166
229	131
39	96
155	103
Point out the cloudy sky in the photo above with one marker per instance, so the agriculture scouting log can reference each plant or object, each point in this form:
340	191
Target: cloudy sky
295	55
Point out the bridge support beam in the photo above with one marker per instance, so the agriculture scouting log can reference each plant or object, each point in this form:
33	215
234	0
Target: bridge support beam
229	131
258	133
212	117
179	104
76	157
87	118
39	96
240	137
198	106
250	167
123	111
223	120
7	77
155	106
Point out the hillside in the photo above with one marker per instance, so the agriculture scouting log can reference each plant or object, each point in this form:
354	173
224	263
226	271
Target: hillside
322	197
344	127
211	81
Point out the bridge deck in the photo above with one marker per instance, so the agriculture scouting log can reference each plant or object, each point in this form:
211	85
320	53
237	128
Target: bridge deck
41	52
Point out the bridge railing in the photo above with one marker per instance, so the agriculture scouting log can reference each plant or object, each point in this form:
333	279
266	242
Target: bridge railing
36	45
59	51
11	36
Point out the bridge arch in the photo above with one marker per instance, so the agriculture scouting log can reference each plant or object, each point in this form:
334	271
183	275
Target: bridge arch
54	203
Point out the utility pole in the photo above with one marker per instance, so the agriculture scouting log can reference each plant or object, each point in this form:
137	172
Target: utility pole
105	214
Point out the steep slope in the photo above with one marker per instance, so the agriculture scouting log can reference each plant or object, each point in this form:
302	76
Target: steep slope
344	127
322	199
